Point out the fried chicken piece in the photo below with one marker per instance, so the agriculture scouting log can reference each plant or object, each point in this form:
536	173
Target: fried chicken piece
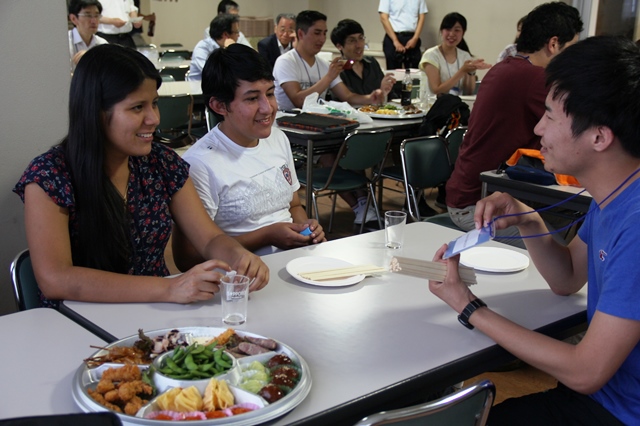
99	398
134	405
104	386
112	396
126	373
128	391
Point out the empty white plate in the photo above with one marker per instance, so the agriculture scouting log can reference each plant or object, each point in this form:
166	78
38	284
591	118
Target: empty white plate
319	263
494	259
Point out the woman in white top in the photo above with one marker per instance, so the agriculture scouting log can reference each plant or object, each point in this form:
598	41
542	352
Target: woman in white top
449	66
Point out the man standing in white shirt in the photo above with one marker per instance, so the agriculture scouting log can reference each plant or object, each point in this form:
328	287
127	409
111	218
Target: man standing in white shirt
85	15
116	24
402	21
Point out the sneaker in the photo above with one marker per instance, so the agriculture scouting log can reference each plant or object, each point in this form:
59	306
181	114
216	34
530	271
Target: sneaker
360	212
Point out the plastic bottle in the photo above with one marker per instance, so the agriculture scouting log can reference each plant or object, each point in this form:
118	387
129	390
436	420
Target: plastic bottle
407	88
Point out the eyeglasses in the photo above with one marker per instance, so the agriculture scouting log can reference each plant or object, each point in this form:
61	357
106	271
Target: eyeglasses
89	16
354	40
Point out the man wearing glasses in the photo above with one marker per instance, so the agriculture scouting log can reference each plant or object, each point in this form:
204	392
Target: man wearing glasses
281	41
362	74
116	22
223	31
85	16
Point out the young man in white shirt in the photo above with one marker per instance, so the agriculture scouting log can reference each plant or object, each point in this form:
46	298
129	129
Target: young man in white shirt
243	168
85	16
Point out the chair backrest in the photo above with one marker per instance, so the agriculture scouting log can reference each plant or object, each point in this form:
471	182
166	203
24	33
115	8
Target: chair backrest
178	73
468	407
171	45
175	54
454	140
210	118
167	77
25	287
425	161
175	111
363	149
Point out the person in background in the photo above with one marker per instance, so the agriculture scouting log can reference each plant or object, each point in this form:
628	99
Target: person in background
449	66
243	168
230	7
85	16
402	21
281	41
512	49
300	72
115	23
136	32
363	74
589	131
99	206
223	31
509	105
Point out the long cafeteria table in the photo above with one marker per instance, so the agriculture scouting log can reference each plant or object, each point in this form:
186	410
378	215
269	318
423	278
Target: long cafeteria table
314	141
42	352
371	345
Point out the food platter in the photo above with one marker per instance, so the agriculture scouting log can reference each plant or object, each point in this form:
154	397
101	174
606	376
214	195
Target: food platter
86	378
390	112
318	263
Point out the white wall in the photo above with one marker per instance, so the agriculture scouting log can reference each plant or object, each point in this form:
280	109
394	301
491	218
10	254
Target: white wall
33	108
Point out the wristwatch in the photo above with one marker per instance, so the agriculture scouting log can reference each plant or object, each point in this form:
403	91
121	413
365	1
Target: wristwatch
468	310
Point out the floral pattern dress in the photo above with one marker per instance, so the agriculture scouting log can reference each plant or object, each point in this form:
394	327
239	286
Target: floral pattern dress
153	180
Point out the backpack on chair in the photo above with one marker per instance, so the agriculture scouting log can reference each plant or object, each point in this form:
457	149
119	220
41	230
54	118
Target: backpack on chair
447	113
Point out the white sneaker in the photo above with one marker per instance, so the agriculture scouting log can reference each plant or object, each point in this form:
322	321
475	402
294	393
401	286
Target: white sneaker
360	213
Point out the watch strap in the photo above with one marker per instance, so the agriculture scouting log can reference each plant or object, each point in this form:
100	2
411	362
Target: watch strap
468	310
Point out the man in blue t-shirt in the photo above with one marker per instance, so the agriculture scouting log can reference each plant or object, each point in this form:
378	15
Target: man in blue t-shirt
590	131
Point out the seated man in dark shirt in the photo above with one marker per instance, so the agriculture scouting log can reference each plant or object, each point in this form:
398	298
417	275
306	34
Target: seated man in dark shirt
362	74
281	41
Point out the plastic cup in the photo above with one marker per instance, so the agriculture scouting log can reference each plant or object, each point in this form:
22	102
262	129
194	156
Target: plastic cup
394	222
235	298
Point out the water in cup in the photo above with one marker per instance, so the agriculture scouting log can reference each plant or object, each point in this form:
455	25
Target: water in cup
394	223
235	298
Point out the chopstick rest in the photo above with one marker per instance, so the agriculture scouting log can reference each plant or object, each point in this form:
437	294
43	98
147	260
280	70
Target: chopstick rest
436	271
339	273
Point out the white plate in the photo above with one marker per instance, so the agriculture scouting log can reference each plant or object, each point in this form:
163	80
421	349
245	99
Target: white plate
494	259
318	263
136	19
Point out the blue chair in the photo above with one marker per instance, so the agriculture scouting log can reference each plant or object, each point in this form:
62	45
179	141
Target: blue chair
468	407
25	286
360	150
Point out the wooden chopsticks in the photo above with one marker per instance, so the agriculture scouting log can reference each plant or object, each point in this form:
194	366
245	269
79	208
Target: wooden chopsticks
339	273
430	270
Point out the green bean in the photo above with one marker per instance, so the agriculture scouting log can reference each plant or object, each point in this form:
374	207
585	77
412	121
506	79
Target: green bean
217	355
172	365
189	363
178	355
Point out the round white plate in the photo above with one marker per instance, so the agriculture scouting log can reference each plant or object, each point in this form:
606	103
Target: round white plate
318	263
136	19
394	116
494	259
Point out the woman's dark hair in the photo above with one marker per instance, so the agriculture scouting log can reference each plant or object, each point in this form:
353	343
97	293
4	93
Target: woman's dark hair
224	69
598	80
549	20
344	29
448	22
105	75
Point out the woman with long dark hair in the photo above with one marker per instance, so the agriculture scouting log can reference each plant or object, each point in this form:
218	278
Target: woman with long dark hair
99	206
449	66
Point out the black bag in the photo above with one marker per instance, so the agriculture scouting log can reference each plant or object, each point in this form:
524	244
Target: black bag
447	113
